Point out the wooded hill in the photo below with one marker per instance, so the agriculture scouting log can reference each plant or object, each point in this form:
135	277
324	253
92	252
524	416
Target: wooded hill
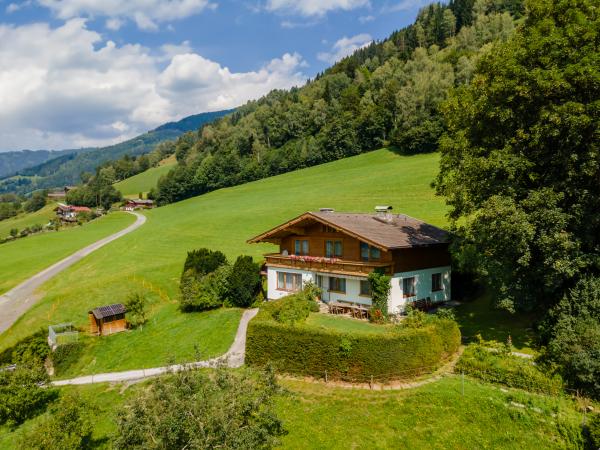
386	93
65	167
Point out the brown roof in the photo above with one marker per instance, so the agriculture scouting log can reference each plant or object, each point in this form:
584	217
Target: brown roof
384	231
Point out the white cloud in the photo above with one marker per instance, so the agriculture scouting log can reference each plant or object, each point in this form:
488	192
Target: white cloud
344	47
114	24
145	13
313	7
403	5
67	87
365	19
14	7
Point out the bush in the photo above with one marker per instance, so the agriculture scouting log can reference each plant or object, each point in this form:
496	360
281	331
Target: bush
68	427
594	430
194	409
305	350
497	366
574	344
28	350
136	309
244	282
207	292
203	261
23	394
66	355
380	291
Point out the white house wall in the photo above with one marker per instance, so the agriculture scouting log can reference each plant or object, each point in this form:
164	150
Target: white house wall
396	301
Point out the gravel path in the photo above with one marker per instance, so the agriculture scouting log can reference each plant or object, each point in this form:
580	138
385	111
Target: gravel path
233	358
18	300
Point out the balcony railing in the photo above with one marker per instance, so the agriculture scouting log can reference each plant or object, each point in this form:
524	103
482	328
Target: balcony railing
334	265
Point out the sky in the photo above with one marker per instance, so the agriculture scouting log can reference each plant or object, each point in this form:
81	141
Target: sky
80	73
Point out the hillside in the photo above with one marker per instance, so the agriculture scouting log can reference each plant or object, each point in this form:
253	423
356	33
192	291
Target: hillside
23	220
66	169
27	256
151	258
143	182
13	162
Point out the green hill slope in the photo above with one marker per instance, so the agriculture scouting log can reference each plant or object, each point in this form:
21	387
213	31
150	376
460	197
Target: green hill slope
143	182
23	220
27	256
151	258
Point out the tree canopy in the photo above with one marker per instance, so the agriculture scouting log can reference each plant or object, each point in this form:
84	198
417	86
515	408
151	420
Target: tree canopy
520	161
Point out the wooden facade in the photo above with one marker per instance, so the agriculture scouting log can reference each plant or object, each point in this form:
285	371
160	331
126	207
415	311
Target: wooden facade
107	320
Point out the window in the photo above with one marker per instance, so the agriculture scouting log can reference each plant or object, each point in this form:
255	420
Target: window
436	282
365	288
328	229
301	247
369	253
408	287
337	284
333	249
291	282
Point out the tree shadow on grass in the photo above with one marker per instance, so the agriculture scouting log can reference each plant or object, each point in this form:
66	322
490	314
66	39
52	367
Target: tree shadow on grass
480	317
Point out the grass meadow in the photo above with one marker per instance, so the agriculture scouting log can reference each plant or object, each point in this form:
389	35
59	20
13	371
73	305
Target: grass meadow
24	257
432	416
143	182
24	220
150	259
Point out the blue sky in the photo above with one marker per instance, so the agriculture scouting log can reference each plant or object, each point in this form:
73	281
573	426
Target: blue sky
78	73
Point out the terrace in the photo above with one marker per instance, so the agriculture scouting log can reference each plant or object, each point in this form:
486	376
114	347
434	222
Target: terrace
329	265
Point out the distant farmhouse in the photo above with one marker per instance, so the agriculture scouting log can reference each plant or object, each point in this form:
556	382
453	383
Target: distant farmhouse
337	251
69	213
133	204
59	194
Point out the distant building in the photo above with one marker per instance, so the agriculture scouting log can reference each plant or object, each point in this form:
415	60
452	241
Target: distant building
337	251
133	204
69	213
59	193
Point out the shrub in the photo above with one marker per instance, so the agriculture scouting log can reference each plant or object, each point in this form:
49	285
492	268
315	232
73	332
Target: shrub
194	409
136	309
66	355
14	232
305	350
23	394
574	344
214	288
68	427
498	367
203	261
380	291
28	350
244	282
594	430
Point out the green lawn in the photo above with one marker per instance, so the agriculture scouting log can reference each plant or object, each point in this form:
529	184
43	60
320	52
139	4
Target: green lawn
25	257
480	317
433	416
193	336
41	217
143	182
345	324
151	258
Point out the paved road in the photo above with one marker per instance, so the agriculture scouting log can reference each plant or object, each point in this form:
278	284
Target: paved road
233	358
18	300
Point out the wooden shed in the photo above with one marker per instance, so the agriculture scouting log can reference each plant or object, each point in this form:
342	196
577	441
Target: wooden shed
106	320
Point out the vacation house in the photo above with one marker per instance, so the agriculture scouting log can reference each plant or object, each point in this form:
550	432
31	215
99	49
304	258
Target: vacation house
131	205
69	213
337	251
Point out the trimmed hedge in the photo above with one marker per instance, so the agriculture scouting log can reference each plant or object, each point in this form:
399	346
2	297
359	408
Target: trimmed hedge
492	365
305	350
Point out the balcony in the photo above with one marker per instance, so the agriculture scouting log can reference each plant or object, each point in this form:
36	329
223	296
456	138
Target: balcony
328	265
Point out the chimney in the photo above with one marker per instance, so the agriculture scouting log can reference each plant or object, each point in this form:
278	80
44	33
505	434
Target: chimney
384	212
326	210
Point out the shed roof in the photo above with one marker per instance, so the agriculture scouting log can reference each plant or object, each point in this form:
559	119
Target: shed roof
108	311
388	232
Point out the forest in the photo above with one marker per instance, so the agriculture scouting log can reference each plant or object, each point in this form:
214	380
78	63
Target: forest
385	94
